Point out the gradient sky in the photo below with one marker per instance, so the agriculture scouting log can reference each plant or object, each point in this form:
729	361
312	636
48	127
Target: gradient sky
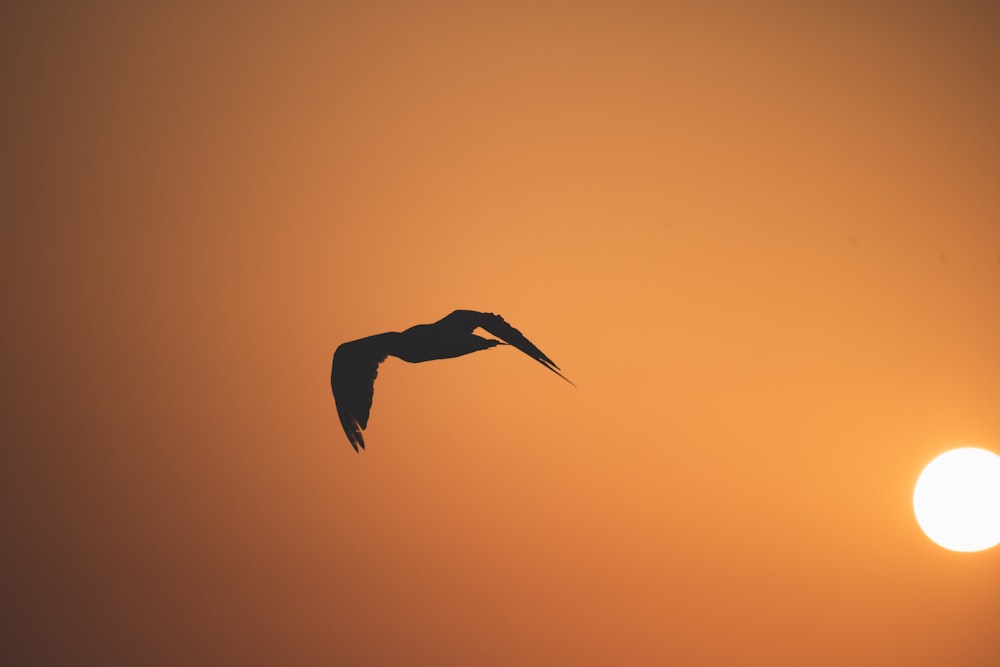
763	239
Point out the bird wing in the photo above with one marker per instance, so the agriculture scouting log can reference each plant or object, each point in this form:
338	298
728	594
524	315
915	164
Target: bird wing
352	378
499	327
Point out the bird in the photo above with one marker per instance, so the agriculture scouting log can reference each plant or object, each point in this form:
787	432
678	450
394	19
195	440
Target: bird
355	363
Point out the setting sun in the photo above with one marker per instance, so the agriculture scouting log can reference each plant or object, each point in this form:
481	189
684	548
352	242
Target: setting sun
957	499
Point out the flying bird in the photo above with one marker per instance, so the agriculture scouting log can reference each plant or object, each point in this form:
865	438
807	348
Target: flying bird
355	363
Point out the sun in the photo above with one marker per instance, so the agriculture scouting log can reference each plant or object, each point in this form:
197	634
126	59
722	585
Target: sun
957	499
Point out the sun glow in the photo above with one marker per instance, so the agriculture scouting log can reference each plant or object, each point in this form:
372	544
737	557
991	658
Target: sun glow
957	499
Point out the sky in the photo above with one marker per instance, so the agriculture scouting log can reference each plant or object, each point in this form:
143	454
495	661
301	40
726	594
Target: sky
762	238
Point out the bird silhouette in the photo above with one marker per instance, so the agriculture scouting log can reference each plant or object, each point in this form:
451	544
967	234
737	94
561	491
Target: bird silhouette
355	363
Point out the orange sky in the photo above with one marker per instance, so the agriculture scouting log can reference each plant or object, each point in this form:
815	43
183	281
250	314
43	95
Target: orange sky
762	238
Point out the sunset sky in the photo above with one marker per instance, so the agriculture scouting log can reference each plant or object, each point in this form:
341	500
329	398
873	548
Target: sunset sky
762	238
